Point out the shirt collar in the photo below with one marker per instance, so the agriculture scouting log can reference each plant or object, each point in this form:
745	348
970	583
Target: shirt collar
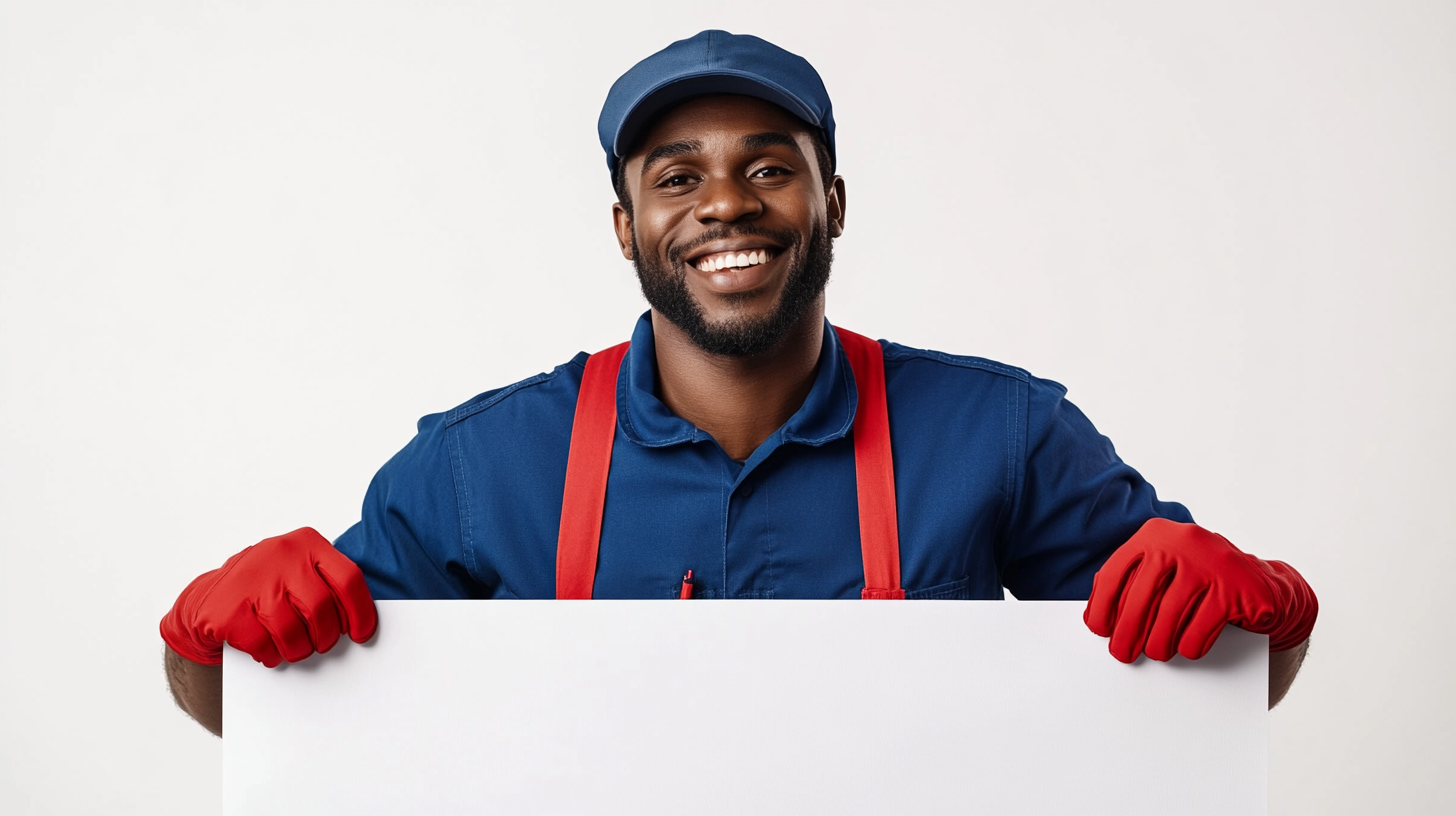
826	415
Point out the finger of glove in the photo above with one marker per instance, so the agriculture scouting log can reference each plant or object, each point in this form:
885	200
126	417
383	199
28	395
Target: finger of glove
248	635
354	603
289	632
1141	598
1108	587
314	603
1203	628
1180	602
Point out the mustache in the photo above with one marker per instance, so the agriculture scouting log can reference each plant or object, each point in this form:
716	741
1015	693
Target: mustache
783	238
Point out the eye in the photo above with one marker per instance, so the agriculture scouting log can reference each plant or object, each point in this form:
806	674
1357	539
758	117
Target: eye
677	180
772	171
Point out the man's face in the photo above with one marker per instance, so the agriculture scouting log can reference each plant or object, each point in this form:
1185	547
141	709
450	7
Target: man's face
731	226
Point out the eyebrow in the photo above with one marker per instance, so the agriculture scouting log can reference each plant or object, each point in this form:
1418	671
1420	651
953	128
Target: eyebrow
753	141
773	138
670	150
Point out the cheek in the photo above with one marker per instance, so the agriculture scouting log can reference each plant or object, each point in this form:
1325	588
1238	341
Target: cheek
801	207
655	231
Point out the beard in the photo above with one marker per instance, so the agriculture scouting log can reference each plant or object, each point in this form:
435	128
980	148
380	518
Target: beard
666	291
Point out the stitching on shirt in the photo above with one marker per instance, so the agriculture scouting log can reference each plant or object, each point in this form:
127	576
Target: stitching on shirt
1013	420
1012	424
851	398
895	351
491	398
768	540
462	502
723	502
1015	463
624	420
957	590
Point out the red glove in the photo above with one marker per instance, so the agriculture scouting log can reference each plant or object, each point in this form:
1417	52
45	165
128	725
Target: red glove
1172	587
281	599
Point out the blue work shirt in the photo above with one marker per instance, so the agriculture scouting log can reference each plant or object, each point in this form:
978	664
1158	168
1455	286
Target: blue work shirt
1000	481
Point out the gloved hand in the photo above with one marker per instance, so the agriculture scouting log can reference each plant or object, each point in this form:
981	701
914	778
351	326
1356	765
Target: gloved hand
281	599
1172	587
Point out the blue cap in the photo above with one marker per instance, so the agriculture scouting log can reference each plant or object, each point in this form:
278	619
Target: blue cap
712	62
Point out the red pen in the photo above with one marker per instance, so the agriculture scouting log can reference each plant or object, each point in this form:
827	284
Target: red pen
687	587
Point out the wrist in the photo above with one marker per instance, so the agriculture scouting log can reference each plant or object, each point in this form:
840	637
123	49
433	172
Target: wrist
178	640
179	627
1296	606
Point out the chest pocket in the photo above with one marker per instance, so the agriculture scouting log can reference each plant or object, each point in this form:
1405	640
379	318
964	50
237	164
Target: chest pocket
954	591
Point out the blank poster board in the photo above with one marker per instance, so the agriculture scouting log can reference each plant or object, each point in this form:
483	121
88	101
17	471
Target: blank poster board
734	707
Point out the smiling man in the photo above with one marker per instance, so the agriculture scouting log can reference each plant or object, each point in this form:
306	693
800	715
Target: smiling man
741	447
728	214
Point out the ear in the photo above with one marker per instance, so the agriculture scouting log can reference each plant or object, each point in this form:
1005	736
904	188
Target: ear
834	200
622	223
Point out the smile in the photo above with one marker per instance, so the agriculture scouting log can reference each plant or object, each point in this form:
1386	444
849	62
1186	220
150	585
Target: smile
729	260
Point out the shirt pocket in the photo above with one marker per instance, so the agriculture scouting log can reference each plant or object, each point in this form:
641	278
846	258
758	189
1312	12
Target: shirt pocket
958	590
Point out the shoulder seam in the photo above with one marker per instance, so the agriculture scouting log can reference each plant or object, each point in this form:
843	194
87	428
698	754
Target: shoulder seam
895	351
476	405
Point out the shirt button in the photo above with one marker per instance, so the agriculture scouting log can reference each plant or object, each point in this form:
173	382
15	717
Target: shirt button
745	490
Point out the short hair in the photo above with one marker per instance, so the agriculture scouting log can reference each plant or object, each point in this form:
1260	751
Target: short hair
821	155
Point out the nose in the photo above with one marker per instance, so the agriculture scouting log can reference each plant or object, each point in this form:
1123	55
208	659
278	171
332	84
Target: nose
727	200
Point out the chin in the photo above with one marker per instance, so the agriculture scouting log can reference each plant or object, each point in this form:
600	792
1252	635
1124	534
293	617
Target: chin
750	329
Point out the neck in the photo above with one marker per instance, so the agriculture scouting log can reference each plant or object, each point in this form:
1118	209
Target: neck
739	400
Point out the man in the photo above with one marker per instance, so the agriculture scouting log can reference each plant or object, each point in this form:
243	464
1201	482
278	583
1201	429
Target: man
740	447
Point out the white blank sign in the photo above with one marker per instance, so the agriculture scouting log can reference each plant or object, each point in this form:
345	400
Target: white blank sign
733	707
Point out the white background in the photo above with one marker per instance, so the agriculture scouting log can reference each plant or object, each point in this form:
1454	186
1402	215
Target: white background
243	246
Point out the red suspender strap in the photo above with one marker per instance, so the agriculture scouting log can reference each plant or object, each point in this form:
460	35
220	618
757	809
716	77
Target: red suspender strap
592	432
590	459
874	470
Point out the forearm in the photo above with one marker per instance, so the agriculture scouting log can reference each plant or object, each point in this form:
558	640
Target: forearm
197	689
1283	666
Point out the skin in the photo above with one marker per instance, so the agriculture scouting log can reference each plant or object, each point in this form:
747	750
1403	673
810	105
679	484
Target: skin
197	689
720	179
1283	666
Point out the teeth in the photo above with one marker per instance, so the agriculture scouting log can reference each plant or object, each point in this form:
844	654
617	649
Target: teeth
732	260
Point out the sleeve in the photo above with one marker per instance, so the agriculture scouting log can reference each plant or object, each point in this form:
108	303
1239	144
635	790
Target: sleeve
1077	502
407	540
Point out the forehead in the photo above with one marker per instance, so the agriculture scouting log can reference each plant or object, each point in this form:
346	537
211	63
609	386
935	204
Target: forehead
707	119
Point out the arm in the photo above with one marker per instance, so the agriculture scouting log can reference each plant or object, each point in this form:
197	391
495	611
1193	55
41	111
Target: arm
197	689
287	597
1283	666
1160	587
279	600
